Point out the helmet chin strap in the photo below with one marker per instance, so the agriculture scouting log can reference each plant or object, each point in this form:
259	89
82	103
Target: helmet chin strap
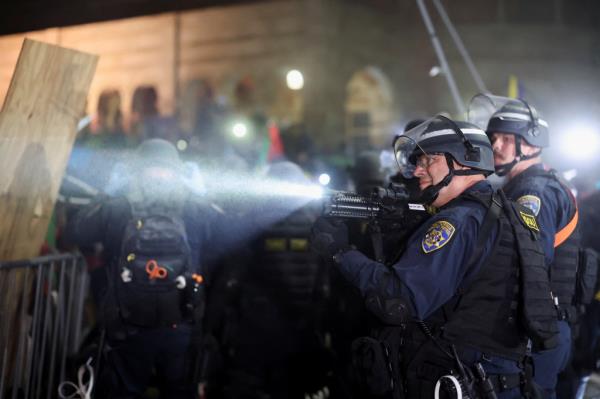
431	193
502	170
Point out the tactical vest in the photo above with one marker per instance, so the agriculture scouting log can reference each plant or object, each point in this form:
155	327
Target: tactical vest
563	271
285	264
508	301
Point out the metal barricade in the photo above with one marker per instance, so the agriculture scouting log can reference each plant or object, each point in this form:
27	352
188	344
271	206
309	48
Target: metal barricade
41	313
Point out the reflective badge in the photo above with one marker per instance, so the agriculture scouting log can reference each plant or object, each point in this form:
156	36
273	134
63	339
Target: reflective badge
299	244
437	236
275	244
531	202
529	221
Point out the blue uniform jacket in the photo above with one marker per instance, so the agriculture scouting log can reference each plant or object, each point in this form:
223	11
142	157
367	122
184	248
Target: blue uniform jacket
427	275
553	208
547	200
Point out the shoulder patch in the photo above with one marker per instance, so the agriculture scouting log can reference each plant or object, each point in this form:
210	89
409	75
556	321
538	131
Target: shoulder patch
438	235
532	202
529	221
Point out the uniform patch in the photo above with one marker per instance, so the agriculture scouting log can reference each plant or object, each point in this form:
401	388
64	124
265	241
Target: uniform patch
299	244
531	202
529	221
275	244
437	236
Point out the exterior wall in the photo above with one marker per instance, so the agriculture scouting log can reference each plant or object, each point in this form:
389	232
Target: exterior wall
554	55
132	52
259	41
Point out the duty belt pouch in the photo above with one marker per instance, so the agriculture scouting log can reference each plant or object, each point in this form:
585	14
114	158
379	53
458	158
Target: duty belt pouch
587	273
371	361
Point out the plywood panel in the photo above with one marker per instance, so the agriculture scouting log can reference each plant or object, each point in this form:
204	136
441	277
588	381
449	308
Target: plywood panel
45	100
10	46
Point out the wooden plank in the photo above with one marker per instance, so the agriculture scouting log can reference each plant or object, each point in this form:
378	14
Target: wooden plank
45	99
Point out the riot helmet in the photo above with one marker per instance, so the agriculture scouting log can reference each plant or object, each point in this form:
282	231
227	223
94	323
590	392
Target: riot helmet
158	152
158	173
367	172
462	142
498	114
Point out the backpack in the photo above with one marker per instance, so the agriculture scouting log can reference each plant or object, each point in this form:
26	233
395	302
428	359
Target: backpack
157	285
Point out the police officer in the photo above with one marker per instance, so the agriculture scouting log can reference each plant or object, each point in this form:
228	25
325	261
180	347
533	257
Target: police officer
470	293
148	329
274	290
518	135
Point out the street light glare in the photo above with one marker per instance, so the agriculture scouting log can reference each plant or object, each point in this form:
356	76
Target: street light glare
294	79
182	145
240	130
581	143
324	179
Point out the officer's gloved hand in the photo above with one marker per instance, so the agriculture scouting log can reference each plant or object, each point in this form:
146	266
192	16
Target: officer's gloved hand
329	237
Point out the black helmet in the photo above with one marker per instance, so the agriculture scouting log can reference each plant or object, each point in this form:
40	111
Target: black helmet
158	152
462	142
466	143
157	174
367	171
509	115
517	118
514	116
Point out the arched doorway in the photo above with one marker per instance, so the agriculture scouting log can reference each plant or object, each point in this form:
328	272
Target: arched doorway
368	109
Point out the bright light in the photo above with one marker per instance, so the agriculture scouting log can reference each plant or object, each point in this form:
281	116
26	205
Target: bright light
182	145
294	79
282	189
240	130
324	179
302	191
435	71
581	143
570	174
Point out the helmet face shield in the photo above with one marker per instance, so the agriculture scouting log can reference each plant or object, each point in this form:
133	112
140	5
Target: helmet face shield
464	142
483	106
406	149
496	114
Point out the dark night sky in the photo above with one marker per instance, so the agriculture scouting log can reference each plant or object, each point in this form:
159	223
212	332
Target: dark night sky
17	16
26	15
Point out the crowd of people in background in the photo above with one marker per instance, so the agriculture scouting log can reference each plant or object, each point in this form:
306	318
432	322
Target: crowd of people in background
274	319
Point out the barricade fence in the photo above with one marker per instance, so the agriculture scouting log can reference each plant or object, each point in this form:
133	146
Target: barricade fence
41	320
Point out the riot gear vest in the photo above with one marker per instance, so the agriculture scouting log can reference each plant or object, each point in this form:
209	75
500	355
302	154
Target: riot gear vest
285	264
563	270
509	300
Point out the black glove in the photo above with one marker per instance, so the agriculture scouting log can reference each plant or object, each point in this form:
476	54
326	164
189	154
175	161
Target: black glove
329	237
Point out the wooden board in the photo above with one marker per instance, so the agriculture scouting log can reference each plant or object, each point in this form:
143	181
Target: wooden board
38	123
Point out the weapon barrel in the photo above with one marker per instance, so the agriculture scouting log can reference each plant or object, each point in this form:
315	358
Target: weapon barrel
350	205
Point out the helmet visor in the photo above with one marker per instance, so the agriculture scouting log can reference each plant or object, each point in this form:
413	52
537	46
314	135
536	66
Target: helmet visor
483	106
406	149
